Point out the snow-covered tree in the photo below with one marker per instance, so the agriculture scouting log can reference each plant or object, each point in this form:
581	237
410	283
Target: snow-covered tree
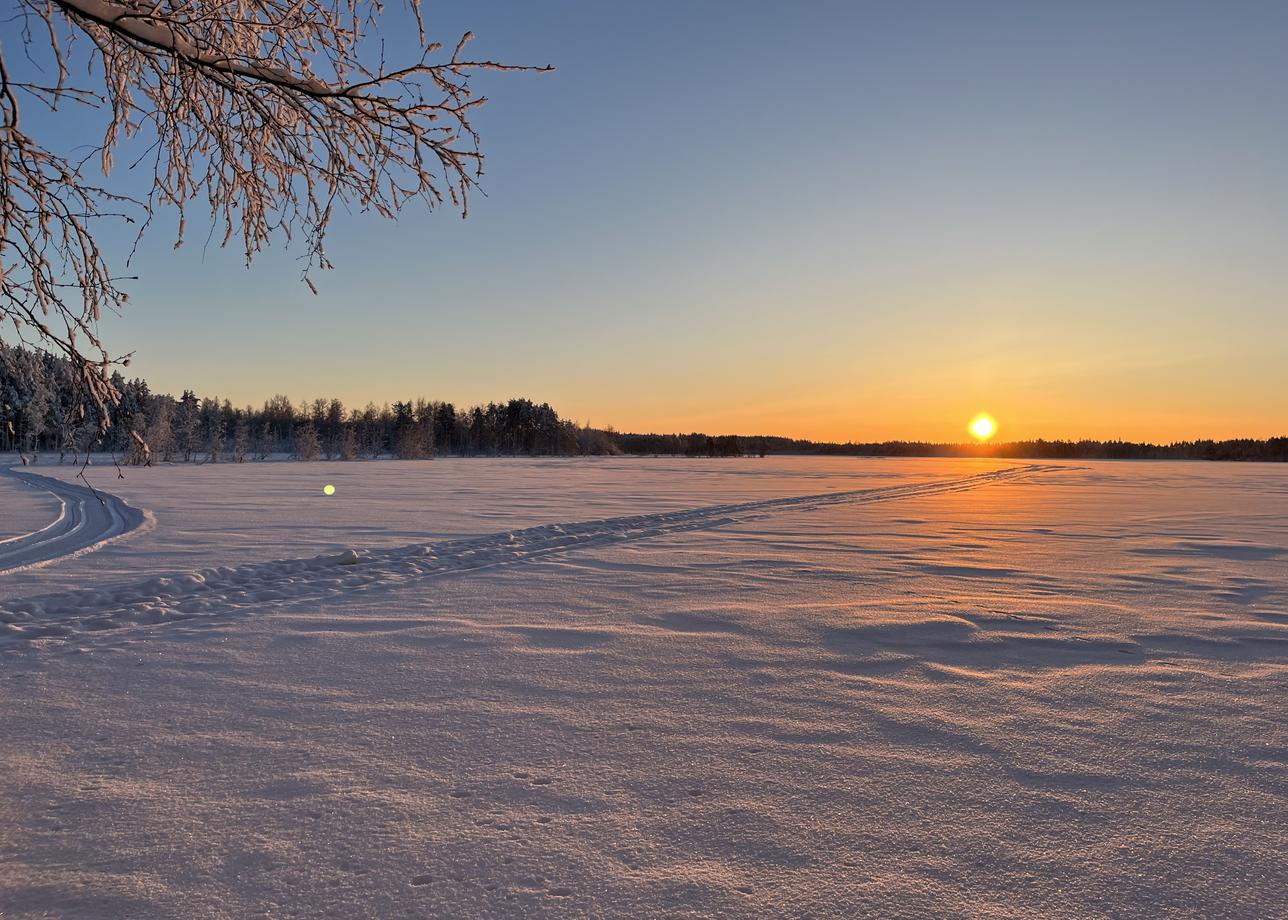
215	433
187	424
266	114
36	402
263	441
335	429
306	442
241	441
349	444
160	432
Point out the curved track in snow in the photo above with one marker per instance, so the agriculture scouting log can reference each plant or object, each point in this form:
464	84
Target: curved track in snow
259	585
85	522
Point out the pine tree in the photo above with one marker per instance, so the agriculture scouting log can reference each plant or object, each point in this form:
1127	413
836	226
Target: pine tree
186	424
335	429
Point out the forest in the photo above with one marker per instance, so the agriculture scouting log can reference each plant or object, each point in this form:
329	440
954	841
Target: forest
44	409
1270	449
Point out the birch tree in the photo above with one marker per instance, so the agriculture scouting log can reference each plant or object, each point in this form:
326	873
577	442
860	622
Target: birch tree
265	116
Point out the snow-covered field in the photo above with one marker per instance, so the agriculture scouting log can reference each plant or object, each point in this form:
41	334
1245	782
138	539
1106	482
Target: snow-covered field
823	688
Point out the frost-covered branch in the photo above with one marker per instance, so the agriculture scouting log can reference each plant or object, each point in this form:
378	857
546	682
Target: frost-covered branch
267	113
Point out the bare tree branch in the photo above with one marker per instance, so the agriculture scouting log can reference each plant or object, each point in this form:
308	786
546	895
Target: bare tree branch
265	110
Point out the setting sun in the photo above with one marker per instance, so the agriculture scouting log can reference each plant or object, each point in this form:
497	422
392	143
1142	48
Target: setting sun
982	427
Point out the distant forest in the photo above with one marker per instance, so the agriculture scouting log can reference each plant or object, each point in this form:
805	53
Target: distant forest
43	409
1271	449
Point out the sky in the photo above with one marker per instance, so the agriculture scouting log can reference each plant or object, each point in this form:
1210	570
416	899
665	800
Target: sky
833	220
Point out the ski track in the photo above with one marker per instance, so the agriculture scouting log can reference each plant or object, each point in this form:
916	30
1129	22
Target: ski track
85	522
214	591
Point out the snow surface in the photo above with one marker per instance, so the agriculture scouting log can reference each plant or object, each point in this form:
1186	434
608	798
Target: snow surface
22	510
757	688
83	520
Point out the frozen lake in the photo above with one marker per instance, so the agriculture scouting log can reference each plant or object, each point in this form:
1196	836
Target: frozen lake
780	687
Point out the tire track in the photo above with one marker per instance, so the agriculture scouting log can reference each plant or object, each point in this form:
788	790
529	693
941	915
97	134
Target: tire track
85	522
257	585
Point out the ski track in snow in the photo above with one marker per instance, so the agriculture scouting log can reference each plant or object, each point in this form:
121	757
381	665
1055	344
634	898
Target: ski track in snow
85	522
221	590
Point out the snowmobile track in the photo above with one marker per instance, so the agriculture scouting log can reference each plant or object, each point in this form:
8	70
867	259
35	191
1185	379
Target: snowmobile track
86	521
260	585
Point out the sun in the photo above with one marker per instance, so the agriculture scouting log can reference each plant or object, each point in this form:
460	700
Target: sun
982	427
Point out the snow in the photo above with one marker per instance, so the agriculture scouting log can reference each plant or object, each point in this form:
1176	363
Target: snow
216	591
22	511
222	514
785	687
82	521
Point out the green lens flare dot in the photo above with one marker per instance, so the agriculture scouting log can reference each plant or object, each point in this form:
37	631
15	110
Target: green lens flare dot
328	489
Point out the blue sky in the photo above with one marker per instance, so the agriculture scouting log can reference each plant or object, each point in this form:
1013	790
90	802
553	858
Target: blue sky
836	220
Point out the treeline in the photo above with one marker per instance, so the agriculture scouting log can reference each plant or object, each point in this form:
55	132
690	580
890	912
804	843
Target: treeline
42	408
692	445
1270	449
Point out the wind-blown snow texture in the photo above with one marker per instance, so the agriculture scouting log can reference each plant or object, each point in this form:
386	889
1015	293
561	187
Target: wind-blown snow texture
217	591
778	688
